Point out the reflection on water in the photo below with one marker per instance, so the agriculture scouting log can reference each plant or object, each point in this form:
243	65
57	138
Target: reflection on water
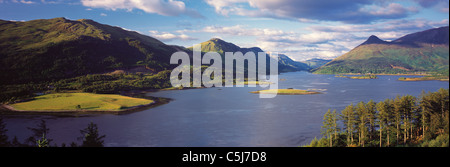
229	116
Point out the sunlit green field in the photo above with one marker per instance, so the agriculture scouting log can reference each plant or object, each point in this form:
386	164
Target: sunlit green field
80	101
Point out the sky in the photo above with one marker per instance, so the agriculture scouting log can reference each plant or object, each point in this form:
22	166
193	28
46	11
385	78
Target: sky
301	29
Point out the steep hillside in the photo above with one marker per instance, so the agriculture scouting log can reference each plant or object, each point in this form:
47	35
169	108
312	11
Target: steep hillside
48	49
426	51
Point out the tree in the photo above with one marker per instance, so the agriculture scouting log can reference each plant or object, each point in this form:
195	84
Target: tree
348	118
384	119
334	123
371	114
329	126
426	107
398	116
361	115
16	143
3	137
409	108
43	142
91	137
38	132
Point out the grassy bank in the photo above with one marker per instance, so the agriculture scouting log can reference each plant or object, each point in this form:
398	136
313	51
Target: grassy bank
80	102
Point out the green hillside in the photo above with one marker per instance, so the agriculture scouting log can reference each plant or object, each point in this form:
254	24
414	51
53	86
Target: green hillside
426	51
48	49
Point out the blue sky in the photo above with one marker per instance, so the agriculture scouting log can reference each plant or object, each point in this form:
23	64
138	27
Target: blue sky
301	29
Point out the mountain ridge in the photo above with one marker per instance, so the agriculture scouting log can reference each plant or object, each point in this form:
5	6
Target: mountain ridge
48	49
421	52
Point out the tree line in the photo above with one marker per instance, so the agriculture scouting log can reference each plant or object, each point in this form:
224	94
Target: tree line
90	137
402	121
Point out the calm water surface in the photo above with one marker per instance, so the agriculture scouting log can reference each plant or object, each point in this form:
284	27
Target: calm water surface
222	117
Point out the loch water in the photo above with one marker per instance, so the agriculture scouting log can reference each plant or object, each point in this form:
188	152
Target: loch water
228	117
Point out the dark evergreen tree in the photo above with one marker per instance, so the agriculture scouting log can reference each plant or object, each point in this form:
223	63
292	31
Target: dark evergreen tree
91	137
3	137
37	133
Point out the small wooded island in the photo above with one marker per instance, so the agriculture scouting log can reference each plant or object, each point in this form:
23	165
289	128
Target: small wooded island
286	92
358	77
426	78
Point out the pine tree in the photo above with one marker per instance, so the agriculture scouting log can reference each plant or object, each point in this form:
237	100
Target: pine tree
16	143
43	142
398	116
348	117
3	137
371	111
381	120
409	110
361	115
384	119
41	129
91	137
327	127
425	112
335	123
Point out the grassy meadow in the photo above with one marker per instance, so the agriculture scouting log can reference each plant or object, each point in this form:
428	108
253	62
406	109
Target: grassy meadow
80	101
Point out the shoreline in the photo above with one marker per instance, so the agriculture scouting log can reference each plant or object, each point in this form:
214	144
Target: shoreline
375	74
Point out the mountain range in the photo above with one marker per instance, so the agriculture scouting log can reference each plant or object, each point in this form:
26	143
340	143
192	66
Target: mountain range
421	52
285	63
52	49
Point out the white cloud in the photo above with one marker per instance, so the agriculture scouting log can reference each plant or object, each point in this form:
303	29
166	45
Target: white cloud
239	30
103	14
161	7
23	1
167	37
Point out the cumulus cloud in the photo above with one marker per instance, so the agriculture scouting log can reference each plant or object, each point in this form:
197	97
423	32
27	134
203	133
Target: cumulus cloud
161	7
348	11
167	37
23	1
239	30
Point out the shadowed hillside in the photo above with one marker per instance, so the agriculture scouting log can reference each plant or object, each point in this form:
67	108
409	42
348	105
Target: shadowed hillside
41	50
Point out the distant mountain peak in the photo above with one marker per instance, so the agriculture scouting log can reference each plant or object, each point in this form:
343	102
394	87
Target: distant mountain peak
374	40
425	51
216	40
